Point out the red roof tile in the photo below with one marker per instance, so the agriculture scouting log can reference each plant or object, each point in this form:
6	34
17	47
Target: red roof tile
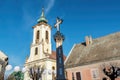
53	56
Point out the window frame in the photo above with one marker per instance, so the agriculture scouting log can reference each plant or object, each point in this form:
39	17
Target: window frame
77	78
95	71
38	35
47	36
36	51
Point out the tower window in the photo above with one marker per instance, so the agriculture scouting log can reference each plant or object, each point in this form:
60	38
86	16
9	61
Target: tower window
37	36
47	35
36	51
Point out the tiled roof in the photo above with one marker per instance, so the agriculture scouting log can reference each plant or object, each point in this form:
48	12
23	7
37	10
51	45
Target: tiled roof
101	49
53	56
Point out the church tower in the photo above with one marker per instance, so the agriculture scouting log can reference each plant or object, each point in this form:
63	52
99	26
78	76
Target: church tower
41	54
41	45
42	60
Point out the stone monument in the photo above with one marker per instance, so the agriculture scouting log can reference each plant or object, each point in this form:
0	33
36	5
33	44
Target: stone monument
59	38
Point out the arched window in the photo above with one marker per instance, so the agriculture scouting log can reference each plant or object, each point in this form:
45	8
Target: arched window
53	68
36	51
53	73
47	35
38	33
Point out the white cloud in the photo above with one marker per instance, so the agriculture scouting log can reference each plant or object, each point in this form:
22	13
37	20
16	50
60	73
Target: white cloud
50	5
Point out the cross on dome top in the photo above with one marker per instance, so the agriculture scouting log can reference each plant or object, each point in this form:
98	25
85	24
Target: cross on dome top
42	18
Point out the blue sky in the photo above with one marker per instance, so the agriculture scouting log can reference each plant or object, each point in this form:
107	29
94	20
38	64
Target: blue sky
81	18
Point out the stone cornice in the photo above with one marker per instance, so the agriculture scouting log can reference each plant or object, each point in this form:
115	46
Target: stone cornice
39	60
42	23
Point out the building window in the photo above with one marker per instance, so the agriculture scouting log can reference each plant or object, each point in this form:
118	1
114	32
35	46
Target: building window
37	36
36	51
73	78
38	33
53	68
78	76
47	35
95	73
66	75
53	73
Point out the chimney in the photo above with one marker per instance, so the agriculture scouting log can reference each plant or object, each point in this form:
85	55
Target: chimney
87	40
90	38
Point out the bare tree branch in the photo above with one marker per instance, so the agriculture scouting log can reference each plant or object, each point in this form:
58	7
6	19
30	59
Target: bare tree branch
111	70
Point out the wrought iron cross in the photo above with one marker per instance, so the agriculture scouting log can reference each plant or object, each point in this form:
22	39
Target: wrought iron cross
57	25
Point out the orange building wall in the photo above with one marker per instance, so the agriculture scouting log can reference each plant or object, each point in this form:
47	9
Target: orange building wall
86	71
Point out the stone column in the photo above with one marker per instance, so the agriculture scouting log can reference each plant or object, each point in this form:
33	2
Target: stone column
59	38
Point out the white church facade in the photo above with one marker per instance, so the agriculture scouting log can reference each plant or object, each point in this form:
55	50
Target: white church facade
41	54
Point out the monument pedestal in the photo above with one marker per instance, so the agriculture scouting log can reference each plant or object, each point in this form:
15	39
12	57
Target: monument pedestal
59	38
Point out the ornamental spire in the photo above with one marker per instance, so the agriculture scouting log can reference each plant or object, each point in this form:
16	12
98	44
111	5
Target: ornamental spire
42	18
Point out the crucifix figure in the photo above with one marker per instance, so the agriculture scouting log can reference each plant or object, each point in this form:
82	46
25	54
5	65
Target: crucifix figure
57	25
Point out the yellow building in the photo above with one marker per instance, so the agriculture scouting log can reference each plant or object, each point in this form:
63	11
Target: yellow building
41	54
